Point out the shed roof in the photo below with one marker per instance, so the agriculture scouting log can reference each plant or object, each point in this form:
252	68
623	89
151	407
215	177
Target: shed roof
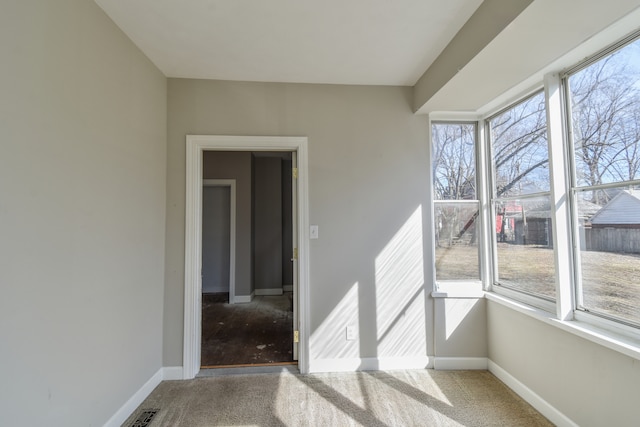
624	208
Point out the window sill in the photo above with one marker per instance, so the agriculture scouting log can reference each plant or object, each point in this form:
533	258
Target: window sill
611	340
458	290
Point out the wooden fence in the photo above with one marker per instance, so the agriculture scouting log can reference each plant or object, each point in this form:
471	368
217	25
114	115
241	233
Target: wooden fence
611	239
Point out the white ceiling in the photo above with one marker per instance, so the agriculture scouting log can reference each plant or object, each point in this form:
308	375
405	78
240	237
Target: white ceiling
373	42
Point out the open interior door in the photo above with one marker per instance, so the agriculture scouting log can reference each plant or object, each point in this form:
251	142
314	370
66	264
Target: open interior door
294	256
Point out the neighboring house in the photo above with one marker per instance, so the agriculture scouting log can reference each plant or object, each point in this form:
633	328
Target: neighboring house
506	221
586	210
511	220
623	211
616	227
515	224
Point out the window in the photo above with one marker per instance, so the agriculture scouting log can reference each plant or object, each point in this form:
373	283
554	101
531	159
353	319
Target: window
558	220
455	201
604	101
524	255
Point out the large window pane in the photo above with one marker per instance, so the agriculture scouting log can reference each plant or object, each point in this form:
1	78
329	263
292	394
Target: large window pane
605	109
520	154
605	120
519	149
524	246
456	241
609	242
454	167
455	205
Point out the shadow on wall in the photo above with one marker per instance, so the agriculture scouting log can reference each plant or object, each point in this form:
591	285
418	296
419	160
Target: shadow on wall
400	308
399	278
398	326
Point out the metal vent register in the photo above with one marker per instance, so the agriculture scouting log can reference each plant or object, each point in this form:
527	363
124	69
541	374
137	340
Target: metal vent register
145	418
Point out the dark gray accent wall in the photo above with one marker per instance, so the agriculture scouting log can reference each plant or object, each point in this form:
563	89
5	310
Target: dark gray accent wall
267	222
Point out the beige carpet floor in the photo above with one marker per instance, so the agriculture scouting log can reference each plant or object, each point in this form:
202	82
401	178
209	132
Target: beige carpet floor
394	398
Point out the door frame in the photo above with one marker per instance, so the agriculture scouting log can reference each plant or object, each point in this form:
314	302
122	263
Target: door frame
195	147
231	184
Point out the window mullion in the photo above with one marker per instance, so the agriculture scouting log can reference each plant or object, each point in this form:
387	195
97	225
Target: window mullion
484	197
560	212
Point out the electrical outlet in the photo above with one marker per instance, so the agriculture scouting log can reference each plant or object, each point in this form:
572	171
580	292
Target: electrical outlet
351	333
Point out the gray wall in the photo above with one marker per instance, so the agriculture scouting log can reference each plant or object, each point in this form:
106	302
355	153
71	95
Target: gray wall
82	214
220	165
267	222
216	233
368	172
589	383
460	327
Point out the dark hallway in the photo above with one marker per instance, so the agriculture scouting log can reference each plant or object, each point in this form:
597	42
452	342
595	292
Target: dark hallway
259	332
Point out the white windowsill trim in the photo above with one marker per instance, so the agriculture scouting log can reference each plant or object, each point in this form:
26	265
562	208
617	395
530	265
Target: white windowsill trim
528	300
625	345
451	289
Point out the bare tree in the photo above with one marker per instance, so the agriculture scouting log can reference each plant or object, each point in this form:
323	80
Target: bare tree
519	146
454	171
454	178
605	103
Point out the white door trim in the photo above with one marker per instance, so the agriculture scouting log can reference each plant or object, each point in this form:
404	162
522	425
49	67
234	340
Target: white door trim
231	183
196	145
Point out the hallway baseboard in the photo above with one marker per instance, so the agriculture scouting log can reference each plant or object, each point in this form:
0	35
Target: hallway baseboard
273	291
243	299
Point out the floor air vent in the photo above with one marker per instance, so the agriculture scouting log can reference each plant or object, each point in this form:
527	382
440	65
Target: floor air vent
145	418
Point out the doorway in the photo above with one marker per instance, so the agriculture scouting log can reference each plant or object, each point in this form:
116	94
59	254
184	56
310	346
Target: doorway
196	145
254	325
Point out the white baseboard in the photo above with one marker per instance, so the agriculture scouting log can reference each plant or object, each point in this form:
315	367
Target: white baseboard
215	290
460	363
243	299
134	401
273	291
287	288
369	364
163	374
172	373
552	414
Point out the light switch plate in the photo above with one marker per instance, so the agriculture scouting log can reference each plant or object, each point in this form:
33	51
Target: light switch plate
313	232
351	333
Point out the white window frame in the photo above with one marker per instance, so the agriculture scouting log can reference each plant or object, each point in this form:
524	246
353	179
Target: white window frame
565	313
597	319
509	292
460	288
